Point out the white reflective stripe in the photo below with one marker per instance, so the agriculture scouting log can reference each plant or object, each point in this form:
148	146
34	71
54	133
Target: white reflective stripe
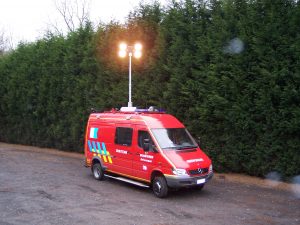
93	132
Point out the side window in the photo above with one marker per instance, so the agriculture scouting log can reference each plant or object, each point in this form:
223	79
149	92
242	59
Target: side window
142	135
123	136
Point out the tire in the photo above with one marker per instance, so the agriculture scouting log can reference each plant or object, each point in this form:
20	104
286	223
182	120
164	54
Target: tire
160	187
97	171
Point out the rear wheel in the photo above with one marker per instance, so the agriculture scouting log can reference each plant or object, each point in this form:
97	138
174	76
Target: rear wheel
97	171
160	187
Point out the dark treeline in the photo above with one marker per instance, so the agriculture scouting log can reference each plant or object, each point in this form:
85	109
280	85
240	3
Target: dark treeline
230	70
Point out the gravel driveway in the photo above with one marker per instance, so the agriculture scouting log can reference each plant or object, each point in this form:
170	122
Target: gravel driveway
45	186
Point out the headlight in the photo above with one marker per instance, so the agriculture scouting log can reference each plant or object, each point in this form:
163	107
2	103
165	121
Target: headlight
210	168
179	172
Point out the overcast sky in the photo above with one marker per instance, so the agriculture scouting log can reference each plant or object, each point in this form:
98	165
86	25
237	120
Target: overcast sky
27	20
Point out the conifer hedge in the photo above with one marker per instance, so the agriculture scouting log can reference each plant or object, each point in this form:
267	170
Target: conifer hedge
228	69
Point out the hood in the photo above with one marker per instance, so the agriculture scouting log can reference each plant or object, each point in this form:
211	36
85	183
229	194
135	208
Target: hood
188	158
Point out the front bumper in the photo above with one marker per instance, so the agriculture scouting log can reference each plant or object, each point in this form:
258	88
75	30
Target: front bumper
187	181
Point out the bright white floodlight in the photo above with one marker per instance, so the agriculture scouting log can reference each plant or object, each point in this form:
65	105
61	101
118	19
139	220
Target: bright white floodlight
122	50
123	46
138	47
122	53
137	50
137	54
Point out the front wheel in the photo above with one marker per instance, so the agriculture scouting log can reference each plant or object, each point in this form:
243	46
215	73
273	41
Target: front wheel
97	171
160	187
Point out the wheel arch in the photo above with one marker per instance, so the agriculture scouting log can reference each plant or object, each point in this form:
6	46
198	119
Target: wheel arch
156	173
97	159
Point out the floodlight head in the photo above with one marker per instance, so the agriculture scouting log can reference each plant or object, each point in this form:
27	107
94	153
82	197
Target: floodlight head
138	47
137	54
123	46
122	53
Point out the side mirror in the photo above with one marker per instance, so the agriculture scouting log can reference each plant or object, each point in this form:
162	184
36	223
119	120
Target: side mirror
146	145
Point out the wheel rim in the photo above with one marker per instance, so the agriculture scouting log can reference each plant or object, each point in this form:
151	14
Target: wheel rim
157	187
96	172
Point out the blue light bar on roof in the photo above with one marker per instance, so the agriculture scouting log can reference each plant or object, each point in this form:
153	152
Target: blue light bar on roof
151	109
142	110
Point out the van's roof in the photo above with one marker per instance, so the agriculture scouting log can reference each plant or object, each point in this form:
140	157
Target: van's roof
150	119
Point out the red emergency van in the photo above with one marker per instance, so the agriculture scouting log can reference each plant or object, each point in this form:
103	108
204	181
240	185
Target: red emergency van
146	148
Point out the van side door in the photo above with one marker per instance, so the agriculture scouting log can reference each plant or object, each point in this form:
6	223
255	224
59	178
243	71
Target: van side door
122	151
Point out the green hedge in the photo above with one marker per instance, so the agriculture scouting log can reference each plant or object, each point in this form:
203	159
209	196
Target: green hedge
228	69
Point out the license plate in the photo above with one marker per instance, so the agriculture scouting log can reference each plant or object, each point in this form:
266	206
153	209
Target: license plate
201	181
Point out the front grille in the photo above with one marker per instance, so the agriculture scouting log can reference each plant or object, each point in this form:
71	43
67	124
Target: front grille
199	171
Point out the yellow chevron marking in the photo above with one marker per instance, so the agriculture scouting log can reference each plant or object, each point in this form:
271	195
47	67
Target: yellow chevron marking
109	158
104	156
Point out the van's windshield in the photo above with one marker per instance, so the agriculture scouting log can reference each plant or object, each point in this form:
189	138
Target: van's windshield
174	138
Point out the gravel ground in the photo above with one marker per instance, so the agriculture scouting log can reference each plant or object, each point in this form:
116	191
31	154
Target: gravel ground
46	186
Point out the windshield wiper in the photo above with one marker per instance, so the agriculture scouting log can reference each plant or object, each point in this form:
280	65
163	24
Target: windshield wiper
173	147
181	147
186	147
